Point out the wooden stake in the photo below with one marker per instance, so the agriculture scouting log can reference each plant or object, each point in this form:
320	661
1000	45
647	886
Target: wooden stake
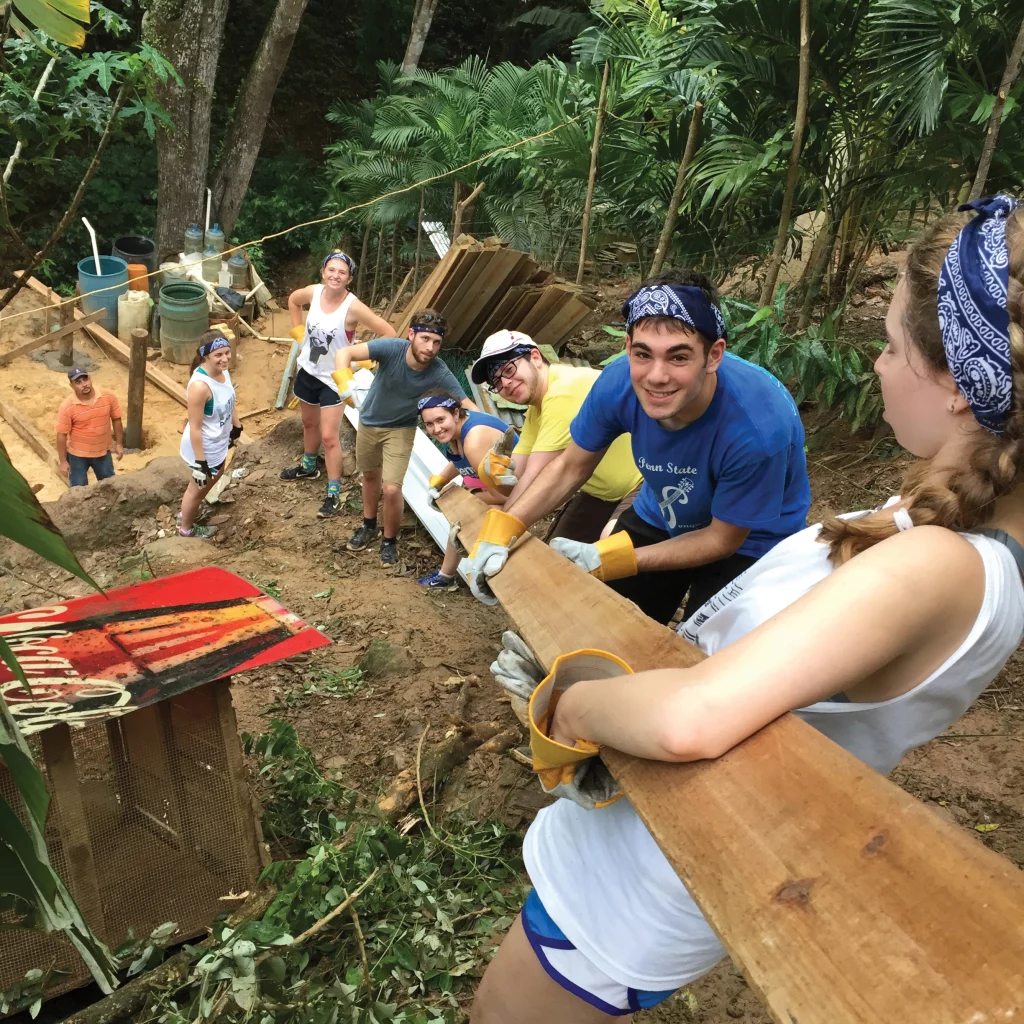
592	179
692	142
67	341
419	247
136	388
460	209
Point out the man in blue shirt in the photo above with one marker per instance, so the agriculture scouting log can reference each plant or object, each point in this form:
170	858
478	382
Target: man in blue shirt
719	443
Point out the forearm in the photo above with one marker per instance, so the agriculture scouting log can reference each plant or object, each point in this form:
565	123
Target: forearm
62	446
118	431
550	488
378	325
349	354
698	547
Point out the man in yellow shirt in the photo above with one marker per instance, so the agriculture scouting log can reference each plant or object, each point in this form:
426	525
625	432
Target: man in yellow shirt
511	365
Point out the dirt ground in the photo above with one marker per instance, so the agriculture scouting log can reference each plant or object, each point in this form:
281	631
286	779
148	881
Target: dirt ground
428	644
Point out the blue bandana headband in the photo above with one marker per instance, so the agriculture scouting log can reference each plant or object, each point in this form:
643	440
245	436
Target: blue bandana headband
339	256
973	318
212	346
436	402
685	303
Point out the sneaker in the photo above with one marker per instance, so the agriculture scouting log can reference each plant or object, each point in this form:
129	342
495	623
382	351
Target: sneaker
330	507
202	532
362	538
298	473
437	581
388	552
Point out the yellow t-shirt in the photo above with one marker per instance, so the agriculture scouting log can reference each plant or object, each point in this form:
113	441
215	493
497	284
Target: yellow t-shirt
547	430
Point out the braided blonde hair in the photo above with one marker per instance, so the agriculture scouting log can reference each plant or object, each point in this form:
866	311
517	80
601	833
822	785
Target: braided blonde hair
966	498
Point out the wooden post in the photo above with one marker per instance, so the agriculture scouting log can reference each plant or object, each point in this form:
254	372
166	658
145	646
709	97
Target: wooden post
592	179
74	826
460	209
419	247
67	342
136	388
692	141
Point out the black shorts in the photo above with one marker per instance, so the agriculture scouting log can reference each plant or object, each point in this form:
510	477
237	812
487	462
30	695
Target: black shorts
659	594
313	391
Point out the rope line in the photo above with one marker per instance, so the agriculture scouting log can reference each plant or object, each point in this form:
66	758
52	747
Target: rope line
318	220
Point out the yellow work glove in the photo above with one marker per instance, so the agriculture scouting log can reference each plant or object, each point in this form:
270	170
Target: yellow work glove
498	532
497	468
345	379
435	485
364	364
575	772
608	559
298	333
437	481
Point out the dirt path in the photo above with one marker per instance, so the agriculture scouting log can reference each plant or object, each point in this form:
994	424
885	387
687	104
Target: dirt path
427	645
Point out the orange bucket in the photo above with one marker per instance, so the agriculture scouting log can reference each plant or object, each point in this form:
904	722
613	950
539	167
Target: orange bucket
137	280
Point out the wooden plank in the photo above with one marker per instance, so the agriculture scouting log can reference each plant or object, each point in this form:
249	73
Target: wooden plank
497	317
38	343
74	827
841	897
427	291
112	347
23	427
487	291
511	261
551	300
565	321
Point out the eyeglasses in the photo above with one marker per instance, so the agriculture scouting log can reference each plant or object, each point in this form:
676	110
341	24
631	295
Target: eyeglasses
505	372
426	319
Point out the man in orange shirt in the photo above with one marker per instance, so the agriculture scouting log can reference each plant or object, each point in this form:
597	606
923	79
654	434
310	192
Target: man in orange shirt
84	420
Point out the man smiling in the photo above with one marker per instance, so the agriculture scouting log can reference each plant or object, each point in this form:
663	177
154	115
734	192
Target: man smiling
717	439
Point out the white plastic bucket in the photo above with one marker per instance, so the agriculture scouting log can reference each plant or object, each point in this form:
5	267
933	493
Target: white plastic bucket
132	311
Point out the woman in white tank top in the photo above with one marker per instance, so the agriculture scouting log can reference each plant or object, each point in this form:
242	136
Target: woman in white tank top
334	314
915	608
213	426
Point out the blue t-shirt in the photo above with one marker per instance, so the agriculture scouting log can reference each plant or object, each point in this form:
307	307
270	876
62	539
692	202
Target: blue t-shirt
473	419
741	462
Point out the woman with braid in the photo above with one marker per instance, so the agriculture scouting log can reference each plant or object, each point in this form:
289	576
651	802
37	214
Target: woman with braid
878	628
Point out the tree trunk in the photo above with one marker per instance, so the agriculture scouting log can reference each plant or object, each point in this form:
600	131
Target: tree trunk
992	132
394	258
692	141
242	145
793	172
460	209
419	246
592	178
821	262
364	255
376	266
422	16
189	33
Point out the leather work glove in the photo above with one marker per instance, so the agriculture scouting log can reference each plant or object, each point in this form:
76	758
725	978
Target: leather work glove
201	473
498	532
608	559
576	772
236	433
516	670
297	333
455	540
364	364
497	468
345	380
437	481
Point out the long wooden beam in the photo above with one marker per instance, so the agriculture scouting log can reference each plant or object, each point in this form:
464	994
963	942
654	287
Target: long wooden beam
112	346
22	426
842	898
45	339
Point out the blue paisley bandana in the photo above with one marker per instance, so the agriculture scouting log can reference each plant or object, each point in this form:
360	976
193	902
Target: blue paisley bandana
680	302
972	311
213	345
337	255
436	402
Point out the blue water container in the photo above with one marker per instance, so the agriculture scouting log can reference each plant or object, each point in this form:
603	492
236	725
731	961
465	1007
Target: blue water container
111	283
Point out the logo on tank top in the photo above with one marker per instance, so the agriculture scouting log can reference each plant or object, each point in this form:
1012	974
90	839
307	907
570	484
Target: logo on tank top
319	342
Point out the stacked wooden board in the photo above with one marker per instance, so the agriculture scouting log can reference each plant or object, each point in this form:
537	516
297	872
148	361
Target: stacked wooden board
482	287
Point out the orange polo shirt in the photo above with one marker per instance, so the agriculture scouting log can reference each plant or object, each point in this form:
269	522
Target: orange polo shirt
88	426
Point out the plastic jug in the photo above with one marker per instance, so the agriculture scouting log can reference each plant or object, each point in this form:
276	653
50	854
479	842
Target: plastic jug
215	237
239	270
132	311
211	264
194	239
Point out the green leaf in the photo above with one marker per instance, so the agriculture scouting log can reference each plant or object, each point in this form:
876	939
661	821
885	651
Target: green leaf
45	16
24	520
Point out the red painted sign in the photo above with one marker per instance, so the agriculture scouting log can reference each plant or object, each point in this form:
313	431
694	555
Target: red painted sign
102	656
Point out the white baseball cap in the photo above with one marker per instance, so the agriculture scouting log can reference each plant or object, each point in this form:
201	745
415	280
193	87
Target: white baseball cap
498	344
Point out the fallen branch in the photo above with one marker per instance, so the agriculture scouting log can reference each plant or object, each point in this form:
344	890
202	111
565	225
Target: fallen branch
131	997
437	764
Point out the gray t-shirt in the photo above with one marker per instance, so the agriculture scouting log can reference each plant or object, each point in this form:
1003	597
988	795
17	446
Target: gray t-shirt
391	400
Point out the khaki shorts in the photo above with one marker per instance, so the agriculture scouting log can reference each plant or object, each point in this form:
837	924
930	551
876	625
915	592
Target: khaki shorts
386	448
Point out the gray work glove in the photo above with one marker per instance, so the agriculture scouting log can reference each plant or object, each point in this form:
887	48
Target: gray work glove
515	669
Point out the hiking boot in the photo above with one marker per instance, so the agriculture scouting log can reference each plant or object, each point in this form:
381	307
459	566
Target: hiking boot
438	581
298	473
388	552
330	507
201	532
362	538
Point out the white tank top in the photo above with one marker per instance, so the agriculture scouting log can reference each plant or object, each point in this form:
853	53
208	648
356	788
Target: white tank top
325	334
216	420
600	874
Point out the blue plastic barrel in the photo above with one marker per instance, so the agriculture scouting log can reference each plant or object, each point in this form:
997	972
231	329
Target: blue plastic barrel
113	282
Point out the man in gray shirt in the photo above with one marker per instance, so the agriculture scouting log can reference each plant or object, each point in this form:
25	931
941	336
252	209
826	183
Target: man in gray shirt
387	419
